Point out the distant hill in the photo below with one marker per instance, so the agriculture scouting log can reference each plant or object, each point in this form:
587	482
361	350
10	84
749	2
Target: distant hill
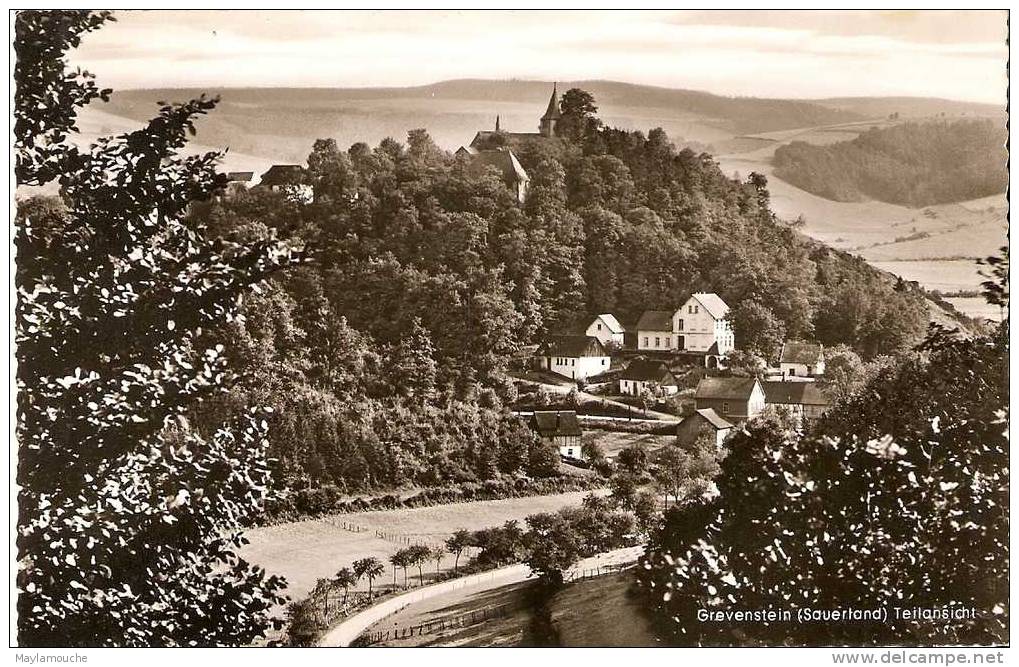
282	123
911	164
912	107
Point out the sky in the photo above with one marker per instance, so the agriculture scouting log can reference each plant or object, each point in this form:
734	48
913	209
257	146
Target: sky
785	54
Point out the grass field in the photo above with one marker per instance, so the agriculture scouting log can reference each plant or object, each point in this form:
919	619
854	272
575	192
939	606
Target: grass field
612	442
304	551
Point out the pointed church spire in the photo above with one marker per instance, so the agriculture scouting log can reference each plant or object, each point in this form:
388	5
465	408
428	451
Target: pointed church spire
546	126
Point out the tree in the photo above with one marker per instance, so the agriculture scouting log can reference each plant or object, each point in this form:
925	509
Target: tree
345	579
634	459
115	327
370	568
579	115
810	522
757	329
437	554
402	560
457	543
418	555
551	546
543	459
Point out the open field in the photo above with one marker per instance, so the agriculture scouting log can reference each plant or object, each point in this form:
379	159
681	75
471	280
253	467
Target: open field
304	551
612	442
602	612
883	234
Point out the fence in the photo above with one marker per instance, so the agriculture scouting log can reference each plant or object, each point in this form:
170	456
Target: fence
478	616
406	539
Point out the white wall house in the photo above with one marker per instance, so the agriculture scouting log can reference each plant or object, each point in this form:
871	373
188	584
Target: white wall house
801	359
654	331
574	357
607	329
644	375
699	325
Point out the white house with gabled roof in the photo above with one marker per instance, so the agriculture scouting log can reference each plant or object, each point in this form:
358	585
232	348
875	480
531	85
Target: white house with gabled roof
700	325
607	329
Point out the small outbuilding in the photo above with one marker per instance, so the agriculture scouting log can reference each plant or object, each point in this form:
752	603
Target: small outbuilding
561	429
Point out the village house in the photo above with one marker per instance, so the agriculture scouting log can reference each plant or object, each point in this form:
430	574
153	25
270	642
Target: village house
800	359
505	162
654	330
574	357
701	421
734	399
645	375
803	401
607	329
289	179
699	325
560	429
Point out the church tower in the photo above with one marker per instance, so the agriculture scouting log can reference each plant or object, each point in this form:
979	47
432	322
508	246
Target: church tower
552	115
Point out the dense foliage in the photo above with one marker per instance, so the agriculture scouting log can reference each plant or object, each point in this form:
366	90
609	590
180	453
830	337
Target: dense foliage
899	498
385	357
912	164
128	518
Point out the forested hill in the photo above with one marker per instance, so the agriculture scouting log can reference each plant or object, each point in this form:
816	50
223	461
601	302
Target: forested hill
912	164
385	355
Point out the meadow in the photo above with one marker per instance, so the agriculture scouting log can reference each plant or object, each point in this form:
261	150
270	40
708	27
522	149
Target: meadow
304	551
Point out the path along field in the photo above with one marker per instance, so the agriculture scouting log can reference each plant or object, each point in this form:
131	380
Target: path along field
304	551
595	612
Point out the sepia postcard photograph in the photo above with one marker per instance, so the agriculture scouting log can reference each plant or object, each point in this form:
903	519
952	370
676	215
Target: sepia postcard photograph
658	329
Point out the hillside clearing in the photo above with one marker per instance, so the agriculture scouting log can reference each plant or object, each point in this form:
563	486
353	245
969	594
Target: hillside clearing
304	551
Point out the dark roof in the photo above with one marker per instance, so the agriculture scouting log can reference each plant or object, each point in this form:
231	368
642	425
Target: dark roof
572	346
793	393
801	352
239	176
713	418
492	139
647	370
550	424
712	303
552	112
283	174
504	160
655	320
737	389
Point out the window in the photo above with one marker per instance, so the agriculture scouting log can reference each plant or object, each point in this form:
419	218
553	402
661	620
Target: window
573	362
645	341
792	372
725	408
657	341
689	309
668	341
604	361
599	327
679	324
696	309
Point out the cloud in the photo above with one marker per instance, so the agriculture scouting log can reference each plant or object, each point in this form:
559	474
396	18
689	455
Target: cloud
766	54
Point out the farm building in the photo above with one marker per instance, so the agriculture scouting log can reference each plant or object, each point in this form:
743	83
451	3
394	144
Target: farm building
607	329
561	429
287	178
734	399
703	420
654	330
574	357
647	375
804	401
801	359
